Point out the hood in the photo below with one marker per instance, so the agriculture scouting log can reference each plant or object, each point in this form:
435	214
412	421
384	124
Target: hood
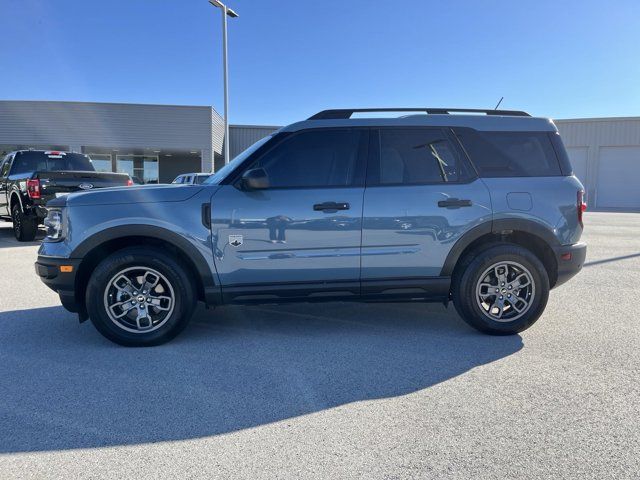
128	195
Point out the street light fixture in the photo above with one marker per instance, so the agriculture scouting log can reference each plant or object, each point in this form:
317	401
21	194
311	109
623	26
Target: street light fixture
226	11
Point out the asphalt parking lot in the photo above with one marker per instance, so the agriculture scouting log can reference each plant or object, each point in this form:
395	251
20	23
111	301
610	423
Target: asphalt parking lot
330	391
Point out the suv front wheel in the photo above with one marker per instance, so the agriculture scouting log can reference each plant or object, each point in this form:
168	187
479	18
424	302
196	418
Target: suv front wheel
502	290
140	297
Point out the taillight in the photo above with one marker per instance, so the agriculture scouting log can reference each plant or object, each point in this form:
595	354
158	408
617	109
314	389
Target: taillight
582	206
129	183
33	188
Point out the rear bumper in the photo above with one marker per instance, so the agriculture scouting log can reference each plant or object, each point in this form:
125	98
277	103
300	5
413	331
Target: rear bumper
63	283
36	208
570	259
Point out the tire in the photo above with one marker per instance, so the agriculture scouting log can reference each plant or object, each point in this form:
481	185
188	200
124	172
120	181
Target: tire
109	295
510	310
25	227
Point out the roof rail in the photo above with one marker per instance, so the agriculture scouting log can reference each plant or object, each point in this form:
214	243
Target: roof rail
345	113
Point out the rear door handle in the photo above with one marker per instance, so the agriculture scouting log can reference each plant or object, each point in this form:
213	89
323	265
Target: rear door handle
454	203
331	206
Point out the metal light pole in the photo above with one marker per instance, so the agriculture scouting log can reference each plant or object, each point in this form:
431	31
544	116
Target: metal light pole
225	11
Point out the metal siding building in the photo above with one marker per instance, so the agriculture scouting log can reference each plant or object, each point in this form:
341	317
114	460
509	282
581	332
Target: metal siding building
605	154
243	136
164	139
167	139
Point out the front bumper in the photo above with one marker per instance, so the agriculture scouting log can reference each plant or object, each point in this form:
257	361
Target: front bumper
62	282
570	259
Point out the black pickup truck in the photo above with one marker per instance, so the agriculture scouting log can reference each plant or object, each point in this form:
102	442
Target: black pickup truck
30	178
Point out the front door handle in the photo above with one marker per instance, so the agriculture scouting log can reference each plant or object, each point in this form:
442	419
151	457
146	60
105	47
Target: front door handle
454	203
331	206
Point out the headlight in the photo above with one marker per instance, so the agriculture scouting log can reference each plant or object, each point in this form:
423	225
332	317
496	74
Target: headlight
55	226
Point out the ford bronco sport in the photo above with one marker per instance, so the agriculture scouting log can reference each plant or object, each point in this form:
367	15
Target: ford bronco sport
475	206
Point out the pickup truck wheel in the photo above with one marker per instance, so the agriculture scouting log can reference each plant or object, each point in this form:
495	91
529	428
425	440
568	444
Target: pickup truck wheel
502	290
25	227
140	297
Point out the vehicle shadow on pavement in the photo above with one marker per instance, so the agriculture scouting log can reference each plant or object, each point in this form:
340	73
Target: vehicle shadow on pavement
65	387
7	238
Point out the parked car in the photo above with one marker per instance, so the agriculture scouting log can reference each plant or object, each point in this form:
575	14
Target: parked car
30	178
192	178
482	210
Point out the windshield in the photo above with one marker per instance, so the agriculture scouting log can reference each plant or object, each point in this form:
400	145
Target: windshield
50	162
217	177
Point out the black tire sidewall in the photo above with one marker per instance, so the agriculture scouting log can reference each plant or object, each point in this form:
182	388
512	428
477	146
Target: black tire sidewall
184	291
465	291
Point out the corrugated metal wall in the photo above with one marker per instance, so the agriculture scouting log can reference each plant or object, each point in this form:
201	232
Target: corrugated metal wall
243	136
107	125
606	153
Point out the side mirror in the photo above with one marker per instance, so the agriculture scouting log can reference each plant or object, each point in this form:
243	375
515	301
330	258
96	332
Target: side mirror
255	179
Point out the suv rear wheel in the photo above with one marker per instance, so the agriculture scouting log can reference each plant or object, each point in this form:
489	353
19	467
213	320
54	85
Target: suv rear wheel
25	227
140	297
502	290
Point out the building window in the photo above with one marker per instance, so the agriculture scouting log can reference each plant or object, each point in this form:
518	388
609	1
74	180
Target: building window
101	162
142	167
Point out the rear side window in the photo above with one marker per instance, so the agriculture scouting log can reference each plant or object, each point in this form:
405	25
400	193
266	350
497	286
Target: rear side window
510	154
316	158
201	178
50	162
415	156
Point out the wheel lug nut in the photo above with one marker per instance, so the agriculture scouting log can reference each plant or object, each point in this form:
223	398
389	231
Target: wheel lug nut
501	297
509	295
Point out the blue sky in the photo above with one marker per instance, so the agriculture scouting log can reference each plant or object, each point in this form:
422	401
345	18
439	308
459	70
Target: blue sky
289	59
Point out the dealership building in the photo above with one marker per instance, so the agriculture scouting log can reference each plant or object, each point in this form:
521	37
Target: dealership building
152	142
158	142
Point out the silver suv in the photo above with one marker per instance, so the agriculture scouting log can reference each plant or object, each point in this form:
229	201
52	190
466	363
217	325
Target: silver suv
475	206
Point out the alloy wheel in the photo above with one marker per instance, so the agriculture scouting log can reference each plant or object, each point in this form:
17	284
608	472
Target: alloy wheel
505	291
139	299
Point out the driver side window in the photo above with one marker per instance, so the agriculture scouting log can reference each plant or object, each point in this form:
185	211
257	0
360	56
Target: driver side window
4	167
315	158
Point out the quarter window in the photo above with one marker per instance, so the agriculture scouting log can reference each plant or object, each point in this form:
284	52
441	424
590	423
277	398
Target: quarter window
510	154
415	156
318	158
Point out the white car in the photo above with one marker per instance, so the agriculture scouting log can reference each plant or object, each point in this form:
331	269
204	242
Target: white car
192	178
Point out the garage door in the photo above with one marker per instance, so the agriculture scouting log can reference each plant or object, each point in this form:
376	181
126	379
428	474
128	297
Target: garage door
618	177
578	158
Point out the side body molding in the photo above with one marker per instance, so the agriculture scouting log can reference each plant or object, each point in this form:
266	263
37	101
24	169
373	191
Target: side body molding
496	227
211	290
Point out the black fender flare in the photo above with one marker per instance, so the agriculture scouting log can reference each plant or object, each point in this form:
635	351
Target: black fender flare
211	291
14	192
504	225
